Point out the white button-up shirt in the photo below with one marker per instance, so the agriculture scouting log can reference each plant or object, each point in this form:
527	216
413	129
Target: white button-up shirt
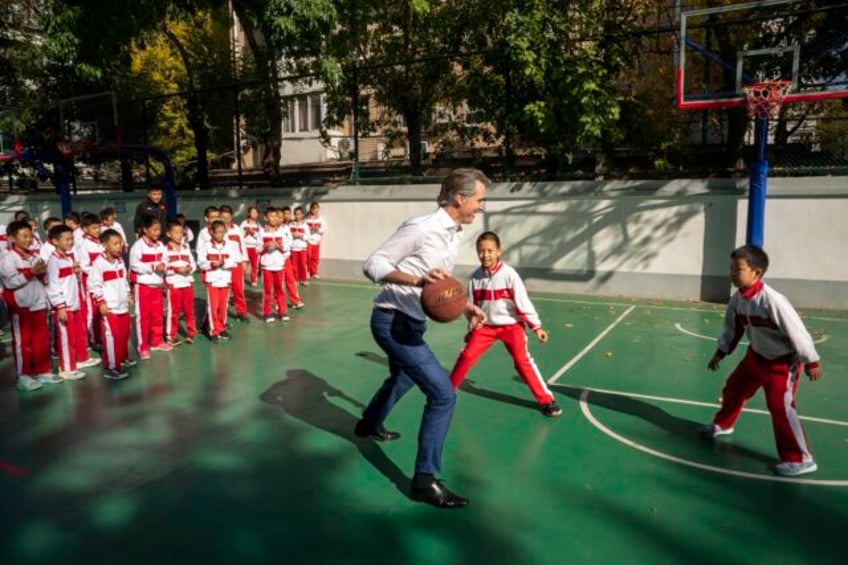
420	244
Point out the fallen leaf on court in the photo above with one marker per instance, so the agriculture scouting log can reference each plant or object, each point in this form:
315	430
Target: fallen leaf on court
608	354
654	511
568	325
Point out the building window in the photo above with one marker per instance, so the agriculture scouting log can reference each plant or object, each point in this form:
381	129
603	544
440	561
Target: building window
288	115
303	113
315	110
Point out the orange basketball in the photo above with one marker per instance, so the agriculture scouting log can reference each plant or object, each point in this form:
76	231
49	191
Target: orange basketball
444	300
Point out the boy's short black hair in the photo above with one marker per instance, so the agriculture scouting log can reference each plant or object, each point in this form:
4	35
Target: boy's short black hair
107	213
217	223
210	209
489	236
285	208
51	220
56	231
171	224
106	235
270	210
225	209
73	216
181	216
88	219
753	255
296	208
21	215
14	227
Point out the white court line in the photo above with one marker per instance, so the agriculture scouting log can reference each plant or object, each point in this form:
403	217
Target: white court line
589	347
646	304
704	404
681	329
584	407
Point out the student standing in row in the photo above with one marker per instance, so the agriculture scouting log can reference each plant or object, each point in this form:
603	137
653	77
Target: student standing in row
179	285
147	263
111	293
216	260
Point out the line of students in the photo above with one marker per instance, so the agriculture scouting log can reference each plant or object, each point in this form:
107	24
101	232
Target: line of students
79	276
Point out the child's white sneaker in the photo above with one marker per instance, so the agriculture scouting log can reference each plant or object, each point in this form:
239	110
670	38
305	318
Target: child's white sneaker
27	383
72	375
50	378
711	431
794	469
90	362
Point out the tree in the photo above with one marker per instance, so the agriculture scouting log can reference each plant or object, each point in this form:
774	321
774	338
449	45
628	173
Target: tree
283	36
188	53
398	53
548	74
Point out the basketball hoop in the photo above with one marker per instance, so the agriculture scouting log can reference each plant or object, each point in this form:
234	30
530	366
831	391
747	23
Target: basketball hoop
75	147
765	98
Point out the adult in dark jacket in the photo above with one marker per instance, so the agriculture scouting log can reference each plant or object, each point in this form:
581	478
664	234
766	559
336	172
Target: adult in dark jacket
152	206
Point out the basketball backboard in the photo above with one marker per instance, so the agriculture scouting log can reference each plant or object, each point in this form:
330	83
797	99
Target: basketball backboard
726	48
88	122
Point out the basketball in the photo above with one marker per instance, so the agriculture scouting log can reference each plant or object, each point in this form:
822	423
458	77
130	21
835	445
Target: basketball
444	300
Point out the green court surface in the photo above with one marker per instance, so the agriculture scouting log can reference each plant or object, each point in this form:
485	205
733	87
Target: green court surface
243	452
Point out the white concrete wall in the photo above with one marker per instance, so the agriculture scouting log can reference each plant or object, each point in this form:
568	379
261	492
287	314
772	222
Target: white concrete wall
651	239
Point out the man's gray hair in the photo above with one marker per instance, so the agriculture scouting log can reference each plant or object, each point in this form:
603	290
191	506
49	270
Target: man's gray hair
461	181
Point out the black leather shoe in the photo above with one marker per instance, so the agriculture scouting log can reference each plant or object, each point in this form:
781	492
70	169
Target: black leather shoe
437	494
378	434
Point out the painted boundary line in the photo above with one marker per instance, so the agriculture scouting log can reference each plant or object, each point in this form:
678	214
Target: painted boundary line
717	309
584	407
697	403
589	347
679	327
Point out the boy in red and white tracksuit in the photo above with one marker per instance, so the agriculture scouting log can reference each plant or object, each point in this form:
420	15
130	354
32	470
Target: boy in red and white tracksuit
780	349
498	290
63	294
299	231
86	251
179	285
23	276
147	266
250	228
276	243
216	261
317	228
111	293
237	283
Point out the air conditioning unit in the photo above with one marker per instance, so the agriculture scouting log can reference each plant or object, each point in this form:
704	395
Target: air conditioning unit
425	149
344	145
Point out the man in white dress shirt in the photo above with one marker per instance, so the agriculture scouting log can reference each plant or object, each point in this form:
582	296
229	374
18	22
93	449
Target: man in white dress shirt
422	250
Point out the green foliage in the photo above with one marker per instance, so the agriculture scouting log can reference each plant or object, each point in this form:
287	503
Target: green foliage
189	52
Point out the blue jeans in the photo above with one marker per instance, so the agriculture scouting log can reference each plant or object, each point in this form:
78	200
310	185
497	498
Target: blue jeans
412	363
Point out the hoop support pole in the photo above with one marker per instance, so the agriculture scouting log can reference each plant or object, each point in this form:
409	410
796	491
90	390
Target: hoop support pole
757	184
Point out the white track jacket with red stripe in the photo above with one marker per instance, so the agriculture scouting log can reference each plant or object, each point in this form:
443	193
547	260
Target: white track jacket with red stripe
502	296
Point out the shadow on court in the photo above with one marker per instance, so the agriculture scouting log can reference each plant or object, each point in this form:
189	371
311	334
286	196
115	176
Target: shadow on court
468	385
305	396
675	426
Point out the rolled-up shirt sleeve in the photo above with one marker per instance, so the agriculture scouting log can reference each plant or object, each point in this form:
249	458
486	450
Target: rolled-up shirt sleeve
385	259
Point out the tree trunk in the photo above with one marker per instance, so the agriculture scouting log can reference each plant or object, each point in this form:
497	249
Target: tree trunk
260	42
413	135
201	140
196	113
737	125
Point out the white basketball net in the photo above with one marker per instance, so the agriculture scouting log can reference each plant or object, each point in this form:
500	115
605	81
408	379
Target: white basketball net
765	98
